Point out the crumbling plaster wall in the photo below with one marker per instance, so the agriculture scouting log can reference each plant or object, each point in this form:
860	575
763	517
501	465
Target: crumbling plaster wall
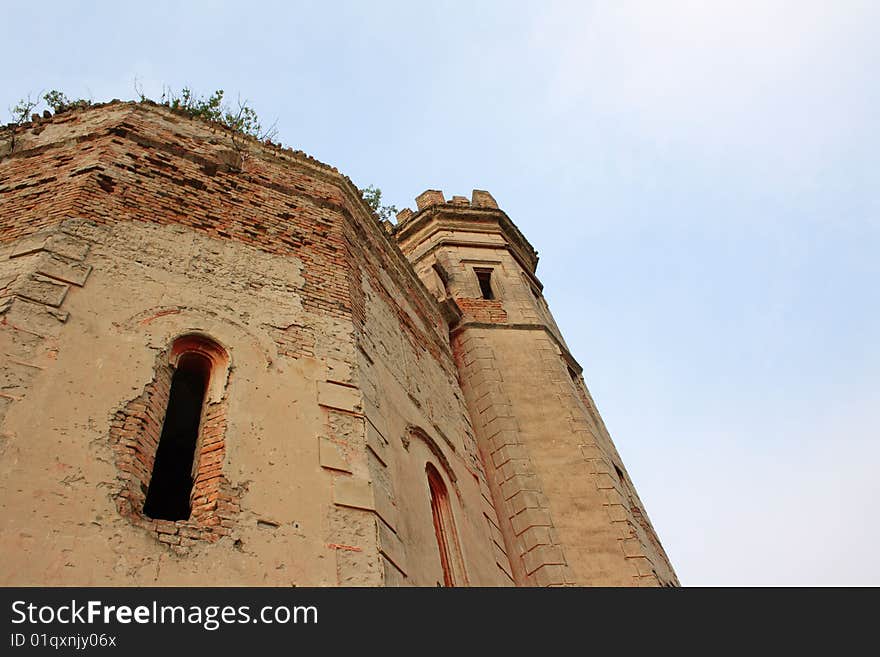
415	414
126	226
60	478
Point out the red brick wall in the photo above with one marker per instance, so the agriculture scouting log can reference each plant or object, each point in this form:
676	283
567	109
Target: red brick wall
125	161
483	310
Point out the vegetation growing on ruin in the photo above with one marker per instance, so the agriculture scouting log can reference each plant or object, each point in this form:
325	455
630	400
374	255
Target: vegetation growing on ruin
373	196
239	119
58	102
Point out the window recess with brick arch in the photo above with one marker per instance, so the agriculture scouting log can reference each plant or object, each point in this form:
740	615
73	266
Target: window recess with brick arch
170	446
451	560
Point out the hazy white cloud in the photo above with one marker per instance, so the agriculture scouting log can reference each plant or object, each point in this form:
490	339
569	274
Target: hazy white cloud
732	72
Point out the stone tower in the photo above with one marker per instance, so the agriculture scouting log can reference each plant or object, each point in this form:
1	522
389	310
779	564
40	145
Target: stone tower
218	367
568	513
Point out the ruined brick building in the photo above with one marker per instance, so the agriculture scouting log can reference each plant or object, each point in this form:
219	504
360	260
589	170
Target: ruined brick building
218	366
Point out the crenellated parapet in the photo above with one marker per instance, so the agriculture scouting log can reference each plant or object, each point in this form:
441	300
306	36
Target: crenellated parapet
478	221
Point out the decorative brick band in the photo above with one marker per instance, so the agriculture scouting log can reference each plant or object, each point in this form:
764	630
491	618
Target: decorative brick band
482	310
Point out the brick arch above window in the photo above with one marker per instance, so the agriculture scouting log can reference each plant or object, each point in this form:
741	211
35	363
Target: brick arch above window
207	347
414	431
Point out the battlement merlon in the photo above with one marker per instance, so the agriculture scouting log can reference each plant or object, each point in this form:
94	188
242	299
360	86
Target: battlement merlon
460	221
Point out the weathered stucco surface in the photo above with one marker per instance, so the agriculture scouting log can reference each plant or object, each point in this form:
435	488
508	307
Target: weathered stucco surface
344	372
568	512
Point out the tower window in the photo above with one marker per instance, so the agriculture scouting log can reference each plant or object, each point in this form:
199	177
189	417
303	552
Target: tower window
484	277
444	530
171	483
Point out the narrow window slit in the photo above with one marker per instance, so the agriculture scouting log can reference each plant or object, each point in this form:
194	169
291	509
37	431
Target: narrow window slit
484	276
444	530
171	483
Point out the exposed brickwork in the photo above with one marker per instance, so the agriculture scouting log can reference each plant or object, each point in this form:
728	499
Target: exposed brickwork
130	157
483	310
126	226
139	165
134	437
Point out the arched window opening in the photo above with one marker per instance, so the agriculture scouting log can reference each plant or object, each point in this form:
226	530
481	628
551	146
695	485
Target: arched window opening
442	276
444	530
170	446
171	483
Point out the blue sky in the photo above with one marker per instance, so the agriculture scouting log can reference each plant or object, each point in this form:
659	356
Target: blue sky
701	180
